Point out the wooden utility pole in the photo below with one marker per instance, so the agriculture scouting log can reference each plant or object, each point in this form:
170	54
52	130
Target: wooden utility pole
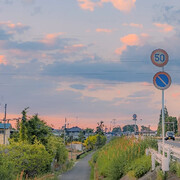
5	107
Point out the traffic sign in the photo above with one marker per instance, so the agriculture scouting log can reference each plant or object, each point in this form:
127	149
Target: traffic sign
162	80
159	57
134	116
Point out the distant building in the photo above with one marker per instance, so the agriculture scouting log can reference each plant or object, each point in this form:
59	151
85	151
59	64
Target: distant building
179	126
74	131
7	127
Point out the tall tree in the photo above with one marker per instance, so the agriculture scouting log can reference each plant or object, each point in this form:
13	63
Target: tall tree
23	129
99	128
37	129
169	121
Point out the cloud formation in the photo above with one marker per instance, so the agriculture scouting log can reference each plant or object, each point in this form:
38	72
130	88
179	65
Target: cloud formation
164	27
122	5
104	30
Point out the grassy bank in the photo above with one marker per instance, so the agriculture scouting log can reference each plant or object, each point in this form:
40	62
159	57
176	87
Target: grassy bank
122	156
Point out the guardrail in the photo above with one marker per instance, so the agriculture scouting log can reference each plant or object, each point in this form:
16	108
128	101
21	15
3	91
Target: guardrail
171	152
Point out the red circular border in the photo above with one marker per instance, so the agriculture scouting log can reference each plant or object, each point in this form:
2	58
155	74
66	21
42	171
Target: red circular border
154	80
166	55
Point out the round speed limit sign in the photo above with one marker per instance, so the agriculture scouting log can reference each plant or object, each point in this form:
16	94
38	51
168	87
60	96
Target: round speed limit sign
159	57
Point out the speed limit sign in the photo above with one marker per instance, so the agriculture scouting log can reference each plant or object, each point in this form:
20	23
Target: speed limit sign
159	57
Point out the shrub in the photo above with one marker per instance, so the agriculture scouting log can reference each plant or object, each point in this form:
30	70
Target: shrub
32	159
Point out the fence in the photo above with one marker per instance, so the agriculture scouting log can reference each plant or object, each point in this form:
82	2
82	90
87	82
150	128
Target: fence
170	152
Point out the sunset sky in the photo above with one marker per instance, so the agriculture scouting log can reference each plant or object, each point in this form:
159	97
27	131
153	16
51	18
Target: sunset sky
88	60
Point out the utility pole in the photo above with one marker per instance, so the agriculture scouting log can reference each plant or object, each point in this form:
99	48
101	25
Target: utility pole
65	132
5	107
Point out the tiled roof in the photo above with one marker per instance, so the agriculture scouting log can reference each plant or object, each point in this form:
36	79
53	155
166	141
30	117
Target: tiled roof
74	129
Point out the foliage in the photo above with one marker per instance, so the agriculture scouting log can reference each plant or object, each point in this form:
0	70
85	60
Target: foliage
116	130
57	149
37	130
7	169
140	166
175	168
81	137
99	128
130	128
114	159
23	129
95	141
33	159
167	118
144	128
89	130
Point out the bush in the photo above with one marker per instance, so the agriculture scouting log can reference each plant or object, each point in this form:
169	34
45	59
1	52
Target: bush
7	169
32	159
57	149
140	166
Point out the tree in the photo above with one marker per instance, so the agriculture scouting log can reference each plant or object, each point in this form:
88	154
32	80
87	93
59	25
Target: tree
23	129
81	136
116	130
37	130
169	121
99	128
144	128
130	128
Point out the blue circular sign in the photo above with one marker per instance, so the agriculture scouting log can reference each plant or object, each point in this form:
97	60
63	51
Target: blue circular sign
134	116
162	80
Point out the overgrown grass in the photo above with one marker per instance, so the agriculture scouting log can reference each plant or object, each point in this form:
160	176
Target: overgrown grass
175	168
120	156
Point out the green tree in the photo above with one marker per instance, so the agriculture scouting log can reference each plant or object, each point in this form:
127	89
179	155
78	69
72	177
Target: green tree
81	137
99	128
130	128
23	130
167	119
116	130
57	149
37	129
32	159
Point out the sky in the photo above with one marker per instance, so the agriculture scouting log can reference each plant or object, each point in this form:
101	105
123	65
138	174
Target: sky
88	60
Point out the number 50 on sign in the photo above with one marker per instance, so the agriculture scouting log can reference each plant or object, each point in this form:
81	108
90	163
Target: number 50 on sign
159	57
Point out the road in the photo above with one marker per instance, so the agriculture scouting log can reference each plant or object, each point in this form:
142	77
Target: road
81	171
174	143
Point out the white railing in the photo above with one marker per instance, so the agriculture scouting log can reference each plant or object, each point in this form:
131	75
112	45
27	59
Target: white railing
169	150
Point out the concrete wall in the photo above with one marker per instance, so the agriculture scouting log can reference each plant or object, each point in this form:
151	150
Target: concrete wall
7	136
78	147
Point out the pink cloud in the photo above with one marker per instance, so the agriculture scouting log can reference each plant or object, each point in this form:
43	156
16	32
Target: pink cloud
73	48
104	30
2	59
164	27
88	4
122	5
133	25
51	38
175	95
131	40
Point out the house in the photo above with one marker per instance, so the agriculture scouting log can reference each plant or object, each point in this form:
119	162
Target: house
5	129
74	131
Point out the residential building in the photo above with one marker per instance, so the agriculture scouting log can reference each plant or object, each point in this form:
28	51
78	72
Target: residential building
74	131
5	129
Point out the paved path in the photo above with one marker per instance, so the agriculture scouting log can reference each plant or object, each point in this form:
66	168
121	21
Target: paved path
81	171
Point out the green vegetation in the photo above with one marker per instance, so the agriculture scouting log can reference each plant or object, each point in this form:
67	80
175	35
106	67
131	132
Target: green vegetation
175	168
95	142
121	156
33	151
169	120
